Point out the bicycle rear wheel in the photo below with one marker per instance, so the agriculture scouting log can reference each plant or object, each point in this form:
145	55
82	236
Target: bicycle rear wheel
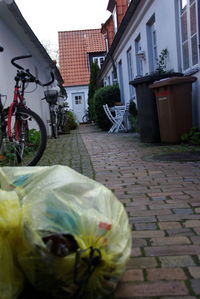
28	141
85	118
54	128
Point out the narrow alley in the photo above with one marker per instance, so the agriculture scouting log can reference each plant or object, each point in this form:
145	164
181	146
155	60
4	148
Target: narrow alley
162	201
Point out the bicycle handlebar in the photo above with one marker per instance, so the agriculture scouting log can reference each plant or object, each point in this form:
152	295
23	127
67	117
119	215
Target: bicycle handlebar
31	77
18	58
48	83
1	49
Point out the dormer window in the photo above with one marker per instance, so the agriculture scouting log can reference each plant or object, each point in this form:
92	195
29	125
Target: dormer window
98	60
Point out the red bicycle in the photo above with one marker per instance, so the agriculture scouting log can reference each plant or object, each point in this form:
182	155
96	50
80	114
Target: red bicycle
23	134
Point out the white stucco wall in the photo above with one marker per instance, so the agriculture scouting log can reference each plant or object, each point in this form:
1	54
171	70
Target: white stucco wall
17	43
75	90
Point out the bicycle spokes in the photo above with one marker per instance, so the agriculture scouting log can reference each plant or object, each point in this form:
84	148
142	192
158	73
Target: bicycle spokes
27	141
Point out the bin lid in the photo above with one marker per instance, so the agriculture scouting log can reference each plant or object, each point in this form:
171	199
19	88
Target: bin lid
154	77
173	81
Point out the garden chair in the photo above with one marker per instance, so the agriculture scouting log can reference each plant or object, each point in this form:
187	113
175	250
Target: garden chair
115	120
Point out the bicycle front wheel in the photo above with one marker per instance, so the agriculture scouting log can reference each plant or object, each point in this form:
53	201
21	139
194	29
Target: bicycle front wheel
28	139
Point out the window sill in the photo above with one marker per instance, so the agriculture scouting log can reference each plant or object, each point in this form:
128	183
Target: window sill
192	71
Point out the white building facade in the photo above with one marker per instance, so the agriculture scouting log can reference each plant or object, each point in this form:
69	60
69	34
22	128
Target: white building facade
17	39
77	97
148	27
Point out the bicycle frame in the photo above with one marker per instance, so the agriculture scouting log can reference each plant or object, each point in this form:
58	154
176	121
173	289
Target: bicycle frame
16	100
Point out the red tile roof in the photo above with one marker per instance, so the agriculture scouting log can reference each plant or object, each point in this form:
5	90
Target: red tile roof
74	47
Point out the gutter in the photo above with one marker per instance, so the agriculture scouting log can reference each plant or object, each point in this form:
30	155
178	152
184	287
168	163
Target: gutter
12	6
125	21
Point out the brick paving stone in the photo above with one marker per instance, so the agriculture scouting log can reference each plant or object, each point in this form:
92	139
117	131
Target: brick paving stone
180	232
166	274
148	234
178	217
183	211
136	252
192	223
151	212
139	243
142	262
142	219
133	275
169	225
151	289
178	297
177	261
168	206
197	230
172	250
145	226
176	240
194	271
195	240
196	286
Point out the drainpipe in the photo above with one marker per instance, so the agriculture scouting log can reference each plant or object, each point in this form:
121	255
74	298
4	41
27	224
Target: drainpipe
114	69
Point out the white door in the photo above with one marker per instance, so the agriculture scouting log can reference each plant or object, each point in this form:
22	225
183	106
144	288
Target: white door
78	105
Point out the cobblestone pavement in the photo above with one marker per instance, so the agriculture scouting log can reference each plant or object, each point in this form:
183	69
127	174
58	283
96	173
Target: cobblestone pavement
68	150
162	200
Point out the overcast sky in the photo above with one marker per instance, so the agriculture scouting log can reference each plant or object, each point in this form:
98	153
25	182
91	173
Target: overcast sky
47	17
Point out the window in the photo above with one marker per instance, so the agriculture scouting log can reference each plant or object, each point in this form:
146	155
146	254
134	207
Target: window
152	44
189	33
114	77
138	60
108	80
121	81
99	60
78	100
130	71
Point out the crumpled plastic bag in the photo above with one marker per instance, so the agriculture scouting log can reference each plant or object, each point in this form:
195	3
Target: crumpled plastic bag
75	235
11	277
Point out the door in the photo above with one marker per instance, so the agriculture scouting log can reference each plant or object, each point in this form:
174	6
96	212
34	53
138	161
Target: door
78	105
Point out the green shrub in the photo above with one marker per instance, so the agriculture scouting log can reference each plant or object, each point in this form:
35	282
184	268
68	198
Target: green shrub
71	120
191	137
132	109
93	86
106	95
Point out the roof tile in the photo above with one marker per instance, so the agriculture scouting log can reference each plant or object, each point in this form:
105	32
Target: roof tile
74	47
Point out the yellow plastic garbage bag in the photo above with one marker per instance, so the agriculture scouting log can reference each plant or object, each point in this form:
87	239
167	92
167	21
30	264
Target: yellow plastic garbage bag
76	237
11	278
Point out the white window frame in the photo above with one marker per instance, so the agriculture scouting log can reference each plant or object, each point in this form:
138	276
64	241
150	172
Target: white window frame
78	99
188	40
121	80
129	56
98	60
139	62
152	43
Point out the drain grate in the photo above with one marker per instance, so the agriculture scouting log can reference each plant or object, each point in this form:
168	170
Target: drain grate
189	156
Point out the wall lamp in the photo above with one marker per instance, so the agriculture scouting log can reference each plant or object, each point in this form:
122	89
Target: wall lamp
141	55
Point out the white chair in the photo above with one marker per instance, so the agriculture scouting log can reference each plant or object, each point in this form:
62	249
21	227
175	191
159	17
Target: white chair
115	120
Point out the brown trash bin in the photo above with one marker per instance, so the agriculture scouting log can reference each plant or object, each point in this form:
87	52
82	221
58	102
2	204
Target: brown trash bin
174	106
